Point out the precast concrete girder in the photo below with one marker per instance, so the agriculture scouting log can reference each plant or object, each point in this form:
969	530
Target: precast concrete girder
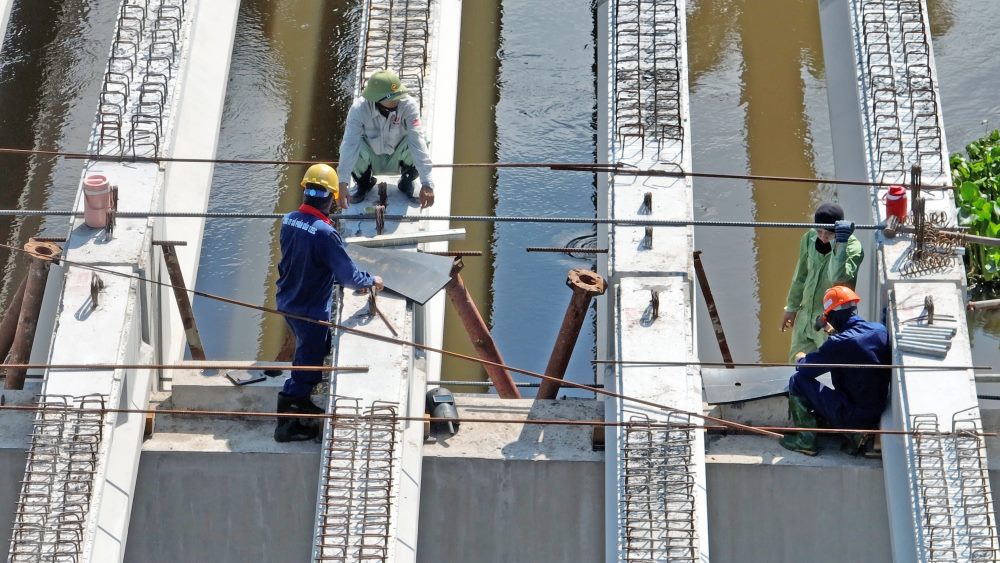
656	507
886	118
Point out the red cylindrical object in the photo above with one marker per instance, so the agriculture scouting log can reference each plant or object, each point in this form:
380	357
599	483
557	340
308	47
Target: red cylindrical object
895	203
96	201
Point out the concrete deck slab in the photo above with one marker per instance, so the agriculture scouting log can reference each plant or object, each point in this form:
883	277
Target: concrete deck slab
517	441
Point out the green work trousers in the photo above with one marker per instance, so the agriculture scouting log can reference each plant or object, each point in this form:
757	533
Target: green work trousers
382	163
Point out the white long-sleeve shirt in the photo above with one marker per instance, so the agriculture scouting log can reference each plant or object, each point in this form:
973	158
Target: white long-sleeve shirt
383	135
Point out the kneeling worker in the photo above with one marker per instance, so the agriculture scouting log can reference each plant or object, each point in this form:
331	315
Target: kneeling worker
859	395
384	135
313	258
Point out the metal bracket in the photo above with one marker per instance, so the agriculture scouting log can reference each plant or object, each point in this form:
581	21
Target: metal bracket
96	285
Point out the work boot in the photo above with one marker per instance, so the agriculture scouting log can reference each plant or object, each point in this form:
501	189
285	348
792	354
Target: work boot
296	429
802	417
407	174
854	444
365	183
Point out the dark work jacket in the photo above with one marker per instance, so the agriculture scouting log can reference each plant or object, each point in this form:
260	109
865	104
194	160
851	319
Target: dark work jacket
313	258
858	342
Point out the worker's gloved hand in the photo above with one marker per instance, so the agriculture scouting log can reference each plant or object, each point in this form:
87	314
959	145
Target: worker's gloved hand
787	320
799	356
378	285
426	196
344	199
843	230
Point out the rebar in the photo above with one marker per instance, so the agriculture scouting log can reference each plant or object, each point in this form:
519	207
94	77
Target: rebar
398	341
59	479
657	496
636	221
357	475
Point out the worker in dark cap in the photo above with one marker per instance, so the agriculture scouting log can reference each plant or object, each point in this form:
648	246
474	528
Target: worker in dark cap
826	258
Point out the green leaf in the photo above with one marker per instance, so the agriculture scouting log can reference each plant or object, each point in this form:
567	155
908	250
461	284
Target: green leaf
969	192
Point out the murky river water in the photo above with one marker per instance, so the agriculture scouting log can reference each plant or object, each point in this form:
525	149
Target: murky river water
758	104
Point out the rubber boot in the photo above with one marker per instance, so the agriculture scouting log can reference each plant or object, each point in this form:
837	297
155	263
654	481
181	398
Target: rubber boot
365	184
407	174
296	429
802	417
854	444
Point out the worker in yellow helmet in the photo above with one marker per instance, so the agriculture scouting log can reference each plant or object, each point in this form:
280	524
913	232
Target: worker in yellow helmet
384	135
313	259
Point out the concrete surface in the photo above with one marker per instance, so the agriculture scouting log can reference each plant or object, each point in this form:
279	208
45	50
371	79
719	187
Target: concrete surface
520	442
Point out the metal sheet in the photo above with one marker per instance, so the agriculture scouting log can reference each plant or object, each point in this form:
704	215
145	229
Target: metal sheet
413	275
723	385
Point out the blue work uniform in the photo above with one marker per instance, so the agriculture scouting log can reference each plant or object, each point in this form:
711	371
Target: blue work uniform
860	394
313	258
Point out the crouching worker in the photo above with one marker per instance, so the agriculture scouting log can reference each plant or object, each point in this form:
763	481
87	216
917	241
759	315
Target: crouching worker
313	258
859	395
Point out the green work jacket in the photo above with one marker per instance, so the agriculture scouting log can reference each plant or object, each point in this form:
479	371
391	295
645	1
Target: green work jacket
814	274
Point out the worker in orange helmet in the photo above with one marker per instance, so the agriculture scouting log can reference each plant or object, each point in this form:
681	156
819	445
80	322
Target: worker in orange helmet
859	395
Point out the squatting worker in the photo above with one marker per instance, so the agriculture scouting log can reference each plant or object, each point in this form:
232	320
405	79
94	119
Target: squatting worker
826	258
859	395
384	135
313	258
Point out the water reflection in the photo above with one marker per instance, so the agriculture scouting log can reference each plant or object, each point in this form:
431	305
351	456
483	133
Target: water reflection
773	52
545	114
291	81
50	74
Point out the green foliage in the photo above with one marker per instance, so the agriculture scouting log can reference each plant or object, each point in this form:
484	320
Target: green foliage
977	177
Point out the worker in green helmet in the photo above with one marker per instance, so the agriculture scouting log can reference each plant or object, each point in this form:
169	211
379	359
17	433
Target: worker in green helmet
826	258
384	135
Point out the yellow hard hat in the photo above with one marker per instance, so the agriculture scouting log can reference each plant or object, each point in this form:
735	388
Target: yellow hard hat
322	175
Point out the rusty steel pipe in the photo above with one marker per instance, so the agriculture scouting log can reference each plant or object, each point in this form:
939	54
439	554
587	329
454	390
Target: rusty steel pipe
8	326
480	335
585	285
183	301
42	254
713	311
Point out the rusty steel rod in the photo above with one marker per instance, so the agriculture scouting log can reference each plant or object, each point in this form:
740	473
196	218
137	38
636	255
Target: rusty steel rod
479	334
585	286
183	301
483	420
713	311
782	365
566	249
42	254
415	345
8	326
984	305
453	253
201	366
615	168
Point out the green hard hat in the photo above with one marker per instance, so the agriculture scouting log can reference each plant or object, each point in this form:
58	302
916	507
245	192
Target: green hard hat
383	85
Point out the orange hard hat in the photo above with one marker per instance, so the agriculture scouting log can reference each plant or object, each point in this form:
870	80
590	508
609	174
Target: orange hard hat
838	295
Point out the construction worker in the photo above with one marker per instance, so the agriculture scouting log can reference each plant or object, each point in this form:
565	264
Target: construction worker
859	395
384	135
826	258
313	258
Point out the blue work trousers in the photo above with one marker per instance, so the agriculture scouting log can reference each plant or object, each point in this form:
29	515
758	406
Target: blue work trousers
312	343
831	405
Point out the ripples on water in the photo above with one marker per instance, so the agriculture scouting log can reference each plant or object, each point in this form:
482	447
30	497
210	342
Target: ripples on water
545	114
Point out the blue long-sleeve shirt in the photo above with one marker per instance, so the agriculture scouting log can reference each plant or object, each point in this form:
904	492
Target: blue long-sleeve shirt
313	258
858	342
